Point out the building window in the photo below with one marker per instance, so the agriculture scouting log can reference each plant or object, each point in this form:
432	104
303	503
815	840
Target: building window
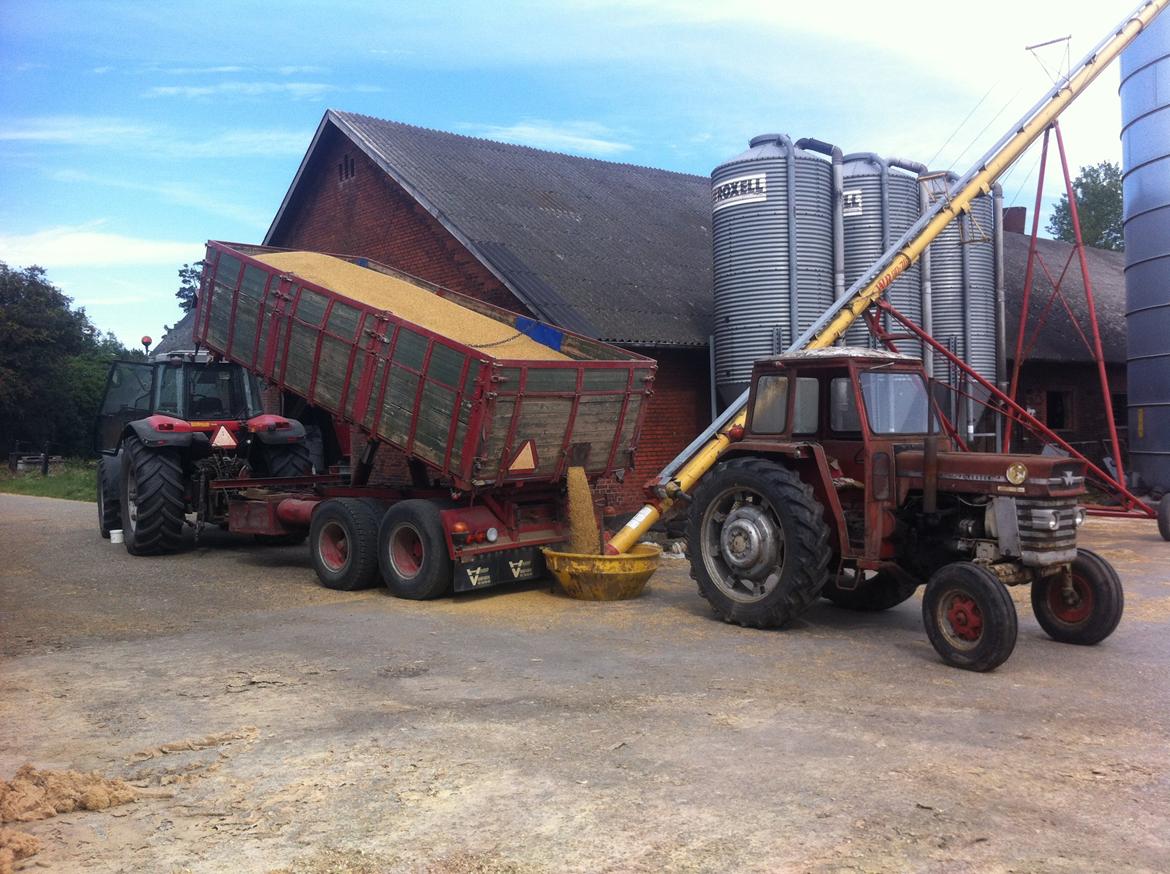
346	169
1058	410
1120	403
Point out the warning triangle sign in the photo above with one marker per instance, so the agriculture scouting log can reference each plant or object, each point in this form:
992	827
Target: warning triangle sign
525	460
223	439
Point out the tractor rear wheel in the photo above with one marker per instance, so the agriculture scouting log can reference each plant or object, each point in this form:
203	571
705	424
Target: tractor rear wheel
412	551
343	543
1088	609
109	505
153	498
759	543
969	616
285	459
880	592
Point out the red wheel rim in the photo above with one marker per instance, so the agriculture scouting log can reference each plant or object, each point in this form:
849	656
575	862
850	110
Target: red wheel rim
333	546
1073	607
406	551
964	617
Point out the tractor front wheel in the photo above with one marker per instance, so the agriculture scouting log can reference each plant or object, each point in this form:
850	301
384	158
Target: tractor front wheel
153	500
412	551
1164	516
969	616
880	592
109	504
343	543
1082	608
759	543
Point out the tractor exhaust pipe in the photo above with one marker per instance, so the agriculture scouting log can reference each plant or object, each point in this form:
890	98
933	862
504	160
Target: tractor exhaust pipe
930	475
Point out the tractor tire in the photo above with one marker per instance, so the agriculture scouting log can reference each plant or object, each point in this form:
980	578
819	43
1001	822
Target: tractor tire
1091	612
109	503
969	616
412	551
880	592
153	499
343	543
759	543
1164	516
284	459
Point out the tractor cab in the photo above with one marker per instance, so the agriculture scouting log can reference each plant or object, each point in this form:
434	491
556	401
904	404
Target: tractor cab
847	413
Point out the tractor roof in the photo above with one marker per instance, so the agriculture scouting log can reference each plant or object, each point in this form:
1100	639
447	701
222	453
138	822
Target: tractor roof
844	353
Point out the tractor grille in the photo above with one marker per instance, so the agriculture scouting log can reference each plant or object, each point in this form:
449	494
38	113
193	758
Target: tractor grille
1040	545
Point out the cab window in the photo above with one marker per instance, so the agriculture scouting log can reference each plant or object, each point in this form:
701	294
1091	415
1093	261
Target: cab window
770	412
843	413
806	412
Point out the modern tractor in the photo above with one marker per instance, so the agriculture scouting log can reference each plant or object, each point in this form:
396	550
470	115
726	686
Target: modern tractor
169	427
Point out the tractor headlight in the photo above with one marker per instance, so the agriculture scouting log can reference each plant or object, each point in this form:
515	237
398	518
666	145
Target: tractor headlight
1079	517
492	535
1053	520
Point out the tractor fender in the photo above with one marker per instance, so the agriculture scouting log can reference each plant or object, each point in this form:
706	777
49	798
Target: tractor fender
157	431
272	429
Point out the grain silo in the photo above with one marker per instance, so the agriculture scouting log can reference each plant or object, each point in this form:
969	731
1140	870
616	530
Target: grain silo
1145	145
772	238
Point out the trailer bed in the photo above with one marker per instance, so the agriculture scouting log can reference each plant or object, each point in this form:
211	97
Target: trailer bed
521	406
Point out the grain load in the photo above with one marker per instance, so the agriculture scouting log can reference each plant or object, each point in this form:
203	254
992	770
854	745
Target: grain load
412	303
584	533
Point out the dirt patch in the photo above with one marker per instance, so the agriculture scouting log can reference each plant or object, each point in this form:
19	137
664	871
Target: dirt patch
14	846
413	303
584	534
32	794
248	732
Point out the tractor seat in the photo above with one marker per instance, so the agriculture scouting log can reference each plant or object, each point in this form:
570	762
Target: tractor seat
207	407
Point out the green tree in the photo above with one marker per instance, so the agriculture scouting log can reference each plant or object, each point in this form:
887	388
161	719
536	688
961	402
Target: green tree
52	364
1098	192
189	275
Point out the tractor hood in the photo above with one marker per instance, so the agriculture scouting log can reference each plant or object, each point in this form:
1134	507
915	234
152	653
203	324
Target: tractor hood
1032	476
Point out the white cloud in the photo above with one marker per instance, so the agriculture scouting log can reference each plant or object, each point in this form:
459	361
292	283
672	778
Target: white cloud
72	130
584	137
85	246
296	90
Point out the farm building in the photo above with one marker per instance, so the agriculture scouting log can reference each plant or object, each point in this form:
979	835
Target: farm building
614	251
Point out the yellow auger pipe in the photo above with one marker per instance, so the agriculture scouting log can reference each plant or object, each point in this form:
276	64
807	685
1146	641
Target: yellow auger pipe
956	202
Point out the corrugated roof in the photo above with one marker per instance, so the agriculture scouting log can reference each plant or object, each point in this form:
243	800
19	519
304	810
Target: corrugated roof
622	252
614	251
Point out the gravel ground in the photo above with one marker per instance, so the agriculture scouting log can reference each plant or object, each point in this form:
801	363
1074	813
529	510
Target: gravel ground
519	731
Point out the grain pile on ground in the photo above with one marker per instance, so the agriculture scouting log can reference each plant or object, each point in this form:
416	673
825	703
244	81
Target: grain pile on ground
415	304
31	794
584	534
14	846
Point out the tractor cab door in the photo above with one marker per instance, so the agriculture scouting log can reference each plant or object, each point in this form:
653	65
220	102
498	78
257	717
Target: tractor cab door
843	439
128	397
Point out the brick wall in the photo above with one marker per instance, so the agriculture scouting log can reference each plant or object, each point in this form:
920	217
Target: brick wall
1088	429
347	205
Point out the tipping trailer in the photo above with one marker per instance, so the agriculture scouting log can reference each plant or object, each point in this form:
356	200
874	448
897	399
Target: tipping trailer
829	475
489	429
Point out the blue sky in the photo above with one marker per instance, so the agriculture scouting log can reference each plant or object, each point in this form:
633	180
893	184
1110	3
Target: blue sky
132	132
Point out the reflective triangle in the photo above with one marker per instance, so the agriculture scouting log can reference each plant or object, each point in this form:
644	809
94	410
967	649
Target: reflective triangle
223	439
525	460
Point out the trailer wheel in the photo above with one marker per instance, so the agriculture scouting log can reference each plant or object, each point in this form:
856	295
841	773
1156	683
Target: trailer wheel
285	459
1088	610
1164	516
109	505
153	498
969	616
880	592
343	542
759	543
412	551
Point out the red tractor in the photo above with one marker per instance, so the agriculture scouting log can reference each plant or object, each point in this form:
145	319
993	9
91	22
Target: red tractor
168	428
838	487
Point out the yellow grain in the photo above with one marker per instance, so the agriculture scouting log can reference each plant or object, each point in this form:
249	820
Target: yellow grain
412	303
584	533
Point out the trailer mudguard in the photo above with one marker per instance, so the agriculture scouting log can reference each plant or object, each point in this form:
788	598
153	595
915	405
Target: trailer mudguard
273	429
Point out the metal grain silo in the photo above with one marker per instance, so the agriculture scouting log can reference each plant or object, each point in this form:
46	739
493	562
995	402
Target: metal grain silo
772	238
963	310
1145	145
879	205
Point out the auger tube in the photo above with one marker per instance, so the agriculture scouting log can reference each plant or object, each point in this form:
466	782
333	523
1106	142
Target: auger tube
681	477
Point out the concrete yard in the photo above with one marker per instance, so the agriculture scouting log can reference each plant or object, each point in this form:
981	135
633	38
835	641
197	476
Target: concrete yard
520	731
